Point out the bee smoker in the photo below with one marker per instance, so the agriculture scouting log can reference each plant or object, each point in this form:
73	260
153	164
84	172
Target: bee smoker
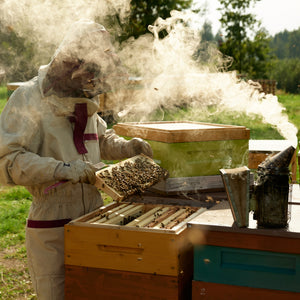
271	190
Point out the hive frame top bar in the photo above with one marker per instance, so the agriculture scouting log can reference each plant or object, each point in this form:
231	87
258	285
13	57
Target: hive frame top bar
84	220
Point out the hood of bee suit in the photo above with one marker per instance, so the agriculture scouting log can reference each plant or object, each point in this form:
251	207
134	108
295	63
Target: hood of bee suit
83	66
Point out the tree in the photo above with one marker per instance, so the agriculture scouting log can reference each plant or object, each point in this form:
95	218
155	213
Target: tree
16	55
287	74
144	13
286	44
280	44
206	32
258	60
286	69
249	56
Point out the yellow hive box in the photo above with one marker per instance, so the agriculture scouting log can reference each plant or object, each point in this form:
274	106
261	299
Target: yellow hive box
108	253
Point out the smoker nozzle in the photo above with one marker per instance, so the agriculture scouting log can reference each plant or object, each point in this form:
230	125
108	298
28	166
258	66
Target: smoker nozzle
278	161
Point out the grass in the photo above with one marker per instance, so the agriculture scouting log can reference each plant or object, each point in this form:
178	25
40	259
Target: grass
14	202
14	205
14	277
16	284
291	103
3	96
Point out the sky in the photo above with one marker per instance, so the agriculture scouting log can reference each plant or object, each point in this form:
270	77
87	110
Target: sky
275	15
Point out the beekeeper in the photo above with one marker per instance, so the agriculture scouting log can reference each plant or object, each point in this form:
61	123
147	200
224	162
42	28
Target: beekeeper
50	138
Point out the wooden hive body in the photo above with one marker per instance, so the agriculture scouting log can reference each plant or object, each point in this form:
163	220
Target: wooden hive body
109	254
246	263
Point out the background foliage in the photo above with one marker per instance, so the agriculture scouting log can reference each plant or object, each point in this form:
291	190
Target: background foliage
16	55
144	13
250	56
254	52
286	68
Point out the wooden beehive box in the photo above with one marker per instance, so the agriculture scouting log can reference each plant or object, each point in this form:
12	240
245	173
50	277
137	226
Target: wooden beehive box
113	253
188	149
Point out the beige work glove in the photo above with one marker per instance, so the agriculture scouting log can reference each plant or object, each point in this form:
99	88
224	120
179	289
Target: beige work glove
76	171
137	146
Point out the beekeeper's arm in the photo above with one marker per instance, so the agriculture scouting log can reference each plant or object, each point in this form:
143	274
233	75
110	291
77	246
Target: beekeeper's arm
20	137
114	147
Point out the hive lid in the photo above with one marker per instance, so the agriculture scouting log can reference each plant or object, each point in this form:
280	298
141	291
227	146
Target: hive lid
177	131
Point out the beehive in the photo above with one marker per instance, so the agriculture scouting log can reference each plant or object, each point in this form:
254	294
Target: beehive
130	251
188	149
246	263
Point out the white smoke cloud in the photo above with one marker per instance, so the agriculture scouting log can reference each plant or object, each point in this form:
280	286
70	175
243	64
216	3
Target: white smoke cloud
46	22
169	74
172	77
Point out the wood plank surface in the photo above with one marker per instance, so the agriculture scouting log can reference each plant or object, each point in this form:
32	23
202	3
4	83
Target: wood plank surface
253	241
214	291
91	283
256	158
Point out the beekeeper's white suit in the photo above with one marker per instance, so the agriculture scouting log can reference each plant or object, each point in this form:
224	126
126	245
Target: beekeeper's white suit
50	135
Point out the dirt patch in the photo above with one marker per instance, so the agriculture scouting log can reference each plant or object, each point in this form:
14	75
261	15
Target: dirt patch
11	259
9	262
15	283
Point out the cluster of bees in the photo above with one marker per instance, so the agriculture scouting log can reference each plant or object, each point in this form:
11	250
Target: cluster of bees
136	215
133	176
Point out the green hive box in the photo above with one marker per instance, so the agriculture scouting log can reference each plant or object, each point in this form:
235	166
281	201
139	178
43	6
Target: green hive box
188	149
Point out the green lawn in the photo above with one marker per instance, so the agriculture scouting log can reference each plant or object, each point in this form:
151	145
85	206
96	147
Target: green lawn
14	202
3	96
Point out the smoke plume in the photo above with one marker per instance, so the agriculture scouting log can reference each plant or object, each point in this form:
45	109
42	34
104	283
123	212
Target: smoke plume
177	70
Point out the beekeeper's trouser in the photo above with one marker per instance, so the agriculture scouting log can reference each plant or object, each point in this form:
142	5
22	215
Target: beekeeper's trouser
45	252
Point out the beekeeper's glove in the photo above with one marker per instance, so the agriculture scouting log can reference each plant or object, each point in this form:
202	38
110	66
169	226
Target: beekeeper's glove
76	171
137	146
